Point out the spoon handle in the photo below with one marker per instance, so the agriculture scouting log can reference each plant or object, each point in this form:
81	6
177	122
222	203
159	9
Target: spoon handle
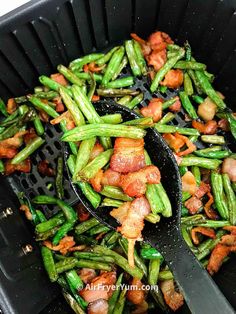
200	292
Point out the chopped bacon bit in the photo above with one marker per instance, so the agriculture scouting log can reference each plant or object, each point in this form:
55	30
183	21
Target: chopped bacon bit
128	155
99	306
95	98
229	167
87	274
146	49
158	40
136	295
70	124
173	79
97	150
59	78
218	254
27	212
209	232
210	127
7	152
173	142
189	183
65	245
45	169
154	109
24	166
120	213
100	287
82	212
43	116
228	239
59	104
13	142
191	147
86	68
172	298
111	177
157	59
96	181
134	183
151	74
100	235
203	189
92	67
133	223
176	107
77	248
193	205
29	136
11	105
141	308
223	124
231	229
137	38
208	209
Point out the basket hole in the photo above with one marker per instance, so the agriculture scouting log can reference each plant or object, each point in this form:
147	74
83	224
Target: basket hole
49	133
32	178
49	149
66	194
57	145
40	190
41	155
25	184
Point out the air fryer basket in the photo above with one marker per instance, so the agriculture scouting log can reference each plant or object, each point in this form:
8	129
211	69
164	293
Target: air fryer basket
34	39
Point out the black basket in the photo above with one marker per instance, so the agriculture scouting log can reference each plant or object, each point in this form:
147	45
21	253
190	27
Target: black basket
37	37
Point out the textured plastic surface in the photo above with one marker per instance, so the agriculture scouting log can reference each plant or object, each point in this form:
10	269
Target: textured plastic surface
42	34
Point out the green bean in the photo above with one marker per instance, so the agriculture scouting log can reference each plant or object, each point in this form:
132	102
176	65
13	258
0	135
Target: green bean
2	167
184	211
185	196
74	280
168	103
71	282
62	232
197	174
197	85
173	47
186	236
141	122
153	271
116	193
83	239
114	118
49	264
53	222
77	64
73	303
113	299
165	275
8	121
209	76
47	95
183	170
172	129
151	253
23	199
113	65
191	220
69	75
201	162
234	186
73	146
120	68
166	118
120	304
111	202
21	99
42	106
207	246
214	154
213	223
92	87
188	51
85	132
59	178
120	261
139	57
197	99
135	101
38	89
38	126
193	138
187	105
66	264
94	257
3	108
103	60
124	100
211	149
122	82
88	110
171	54
82	263
98	229
132	57
87	77
213	139
188	87
167	212
83	156
28	150
90	170
40	215
112	92
86	225
217	188
208	89
230	198
232	123
166	67
46	81
154	199
47	234
72	107
153	218
113	238
162	89
190	65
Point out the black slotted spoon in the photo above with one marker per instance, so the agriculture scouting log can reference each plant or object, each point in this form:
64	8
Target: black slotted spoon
200	292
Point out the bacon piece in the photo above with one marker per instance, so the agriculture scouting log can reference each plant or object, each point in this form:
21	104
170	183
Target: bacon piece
209	232
223	124
218	254
136	295
95	98
231	229
159	40
157	59
24	166
87	274
99	306
229	167
120	213
189	183
11	105
7	152
82	212
92	67
13	142
173	142
111	177
134	183
193	205
172	298
138	39
228	239
133	223
96	181
146	49
154	109
128	155
97	150
59	104
99	287
43	116
70	124
141	308
173	79
210	127
202	190
208	209
27	212
176	107
190	146
45	169
65	245
59	78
